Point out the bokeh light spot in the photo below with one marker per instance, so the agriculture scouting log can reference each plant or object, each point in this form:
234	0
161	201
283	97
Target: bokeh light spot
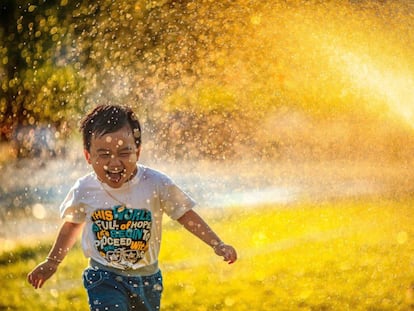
39	211
54	293
402	237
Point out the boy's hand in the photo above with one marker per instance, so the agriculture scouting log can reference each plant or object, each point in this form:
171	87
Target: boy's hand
41	273
226	251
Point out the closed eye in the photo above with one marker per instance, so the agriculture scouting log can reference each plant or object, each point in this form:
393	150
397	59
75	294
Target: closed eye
104	155
125	152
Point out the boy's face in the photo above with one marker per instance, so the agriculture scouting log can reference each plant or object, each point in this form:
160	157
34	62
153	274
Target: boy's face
114	157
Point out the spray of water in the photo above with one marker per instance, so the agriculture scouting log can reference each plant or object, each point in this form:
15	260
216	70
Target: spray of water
321	80
326	58
313	79
296	74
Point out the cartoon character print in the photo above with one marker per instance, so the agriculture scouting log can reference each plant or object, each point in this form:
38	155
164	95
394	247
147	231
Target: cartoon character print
122	234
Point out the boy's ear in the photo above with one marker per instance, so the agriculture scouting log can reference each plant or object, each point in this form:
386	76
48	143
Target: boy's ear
87	156
138	152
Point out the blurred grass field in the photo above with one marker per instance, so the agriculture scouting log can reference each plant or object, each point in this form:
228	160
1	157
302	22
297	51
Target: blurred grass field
343	255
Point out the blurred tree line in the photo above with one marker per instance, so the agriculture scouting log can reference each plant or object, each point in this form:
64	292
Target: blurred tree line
58	58
207	78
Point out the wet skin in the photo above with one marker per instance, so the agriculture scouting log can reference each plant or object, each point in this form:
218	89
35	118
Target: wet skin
114	157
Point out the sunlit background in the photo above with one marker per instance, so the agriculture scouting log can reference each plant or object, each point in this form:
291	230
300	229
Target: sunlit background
319	93
243	103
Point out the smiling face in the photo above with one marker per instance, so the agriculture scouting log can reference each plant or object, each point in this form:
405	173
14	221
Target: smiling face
114	156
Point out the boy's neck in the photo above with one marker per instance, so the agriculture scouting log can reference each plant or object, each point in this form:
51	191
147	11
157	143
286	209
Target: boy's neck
133	174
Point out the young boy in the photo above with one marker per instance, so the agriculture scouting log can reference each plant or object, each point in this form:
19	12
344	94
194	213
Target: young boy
119	208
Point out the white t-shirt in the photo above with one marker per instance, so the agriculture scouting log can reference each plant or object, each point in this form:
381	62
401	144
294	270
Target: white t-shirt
123	226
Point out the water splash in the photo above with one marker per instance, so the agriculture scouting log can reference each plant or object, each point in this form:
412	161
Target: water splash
310	79
382	87
324	59
327	58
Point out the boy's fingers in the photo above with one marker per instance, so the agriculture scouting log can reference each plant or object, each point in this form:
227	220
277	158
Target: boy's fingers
40	283
30	279
35	282
227	252
230	256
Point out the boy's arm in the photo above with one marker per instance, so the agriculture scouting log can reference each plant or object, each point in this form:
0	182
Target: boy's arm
196	225
65	240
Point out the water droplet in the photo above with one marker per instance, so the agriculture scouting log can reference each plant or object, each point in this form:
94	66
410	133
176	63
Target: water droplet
402	237
39	211
229	301
54	293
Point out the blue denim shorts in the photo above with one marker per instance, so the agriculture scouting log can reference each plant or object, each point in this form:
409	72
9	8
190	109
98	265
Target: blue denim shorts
108	291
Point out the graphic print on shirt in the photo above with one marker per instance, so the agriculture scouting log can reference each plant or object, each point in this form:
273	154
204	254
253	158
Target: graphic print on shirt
122	234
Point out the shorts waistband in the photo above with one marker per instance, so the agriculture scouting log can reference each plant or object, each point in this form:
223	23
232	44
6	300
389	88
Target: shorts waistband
144	271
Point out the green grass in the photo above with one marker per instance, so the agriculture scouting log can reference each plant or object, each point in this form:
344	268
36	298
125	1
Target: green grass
354	255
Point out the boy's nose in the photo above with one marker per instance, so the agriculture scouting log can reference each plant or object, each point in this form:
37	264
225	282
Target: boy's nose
114	161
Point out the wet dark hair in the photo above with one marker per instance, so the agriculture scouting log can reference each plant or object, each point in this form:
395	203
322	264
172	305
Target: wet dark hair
106	119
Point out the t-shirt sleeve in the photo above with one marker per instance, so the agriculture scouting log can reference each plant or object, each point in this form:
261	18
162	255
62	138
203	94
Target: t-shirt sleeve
175	201
71	209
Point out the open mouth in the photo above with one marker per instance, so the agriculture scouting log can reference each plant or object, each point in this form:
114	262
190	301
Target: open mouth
115	175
